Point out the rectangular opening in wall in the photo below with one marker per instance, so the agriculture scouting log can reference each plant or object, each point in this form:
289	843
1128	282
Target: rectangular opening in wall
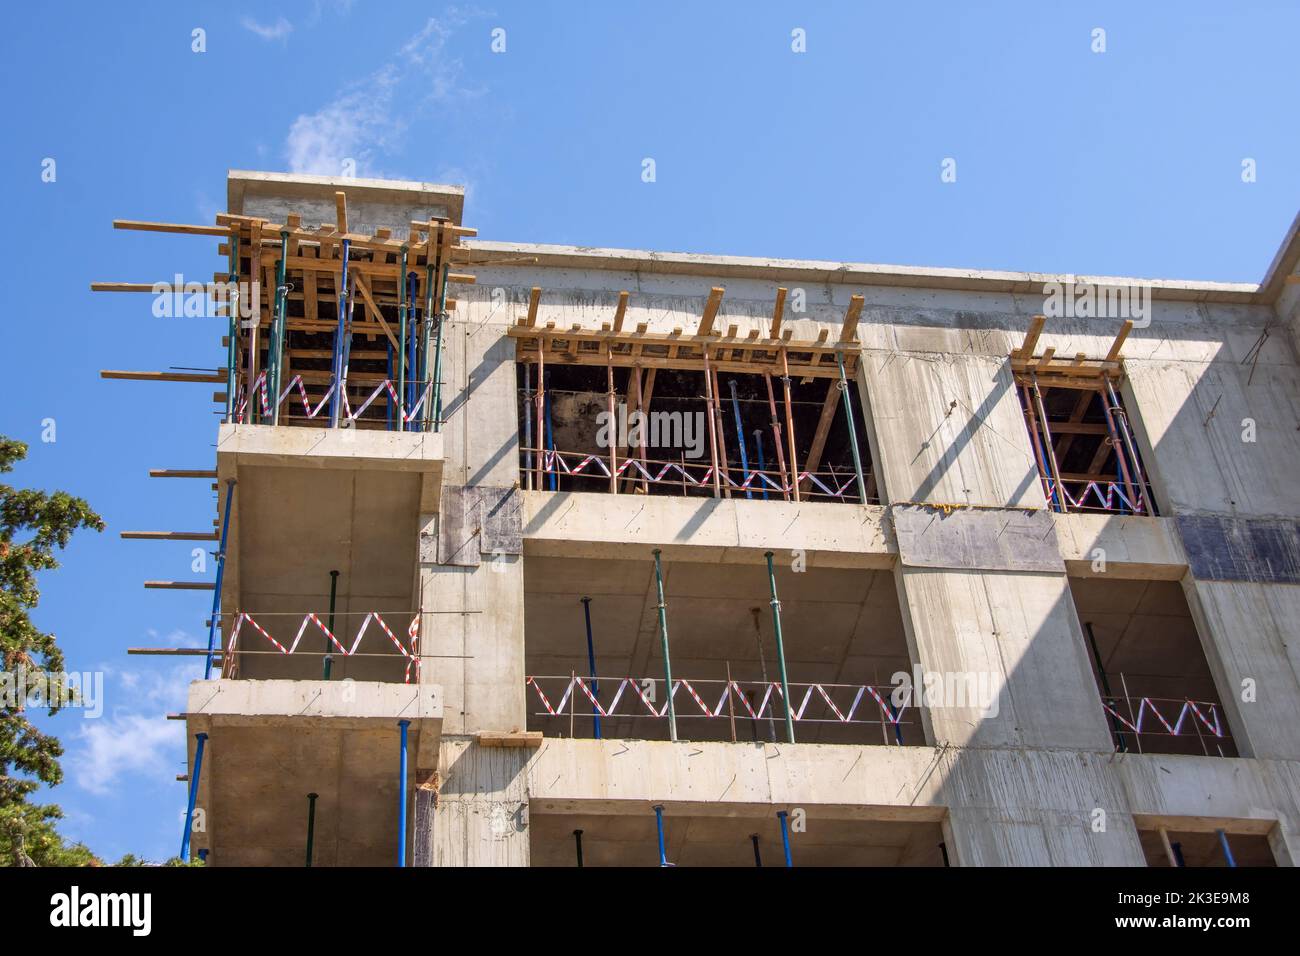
1179	846
694	839
842	634
674	432
1087	457
1157	693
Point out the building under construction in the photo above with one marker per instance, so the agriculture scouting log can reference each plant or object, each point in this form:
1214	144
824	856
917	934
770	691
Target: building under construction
550	555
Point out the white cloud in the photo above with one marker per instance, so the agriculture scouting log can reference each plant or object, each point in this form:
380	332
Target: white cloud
108	749
137	738
278	30
360	124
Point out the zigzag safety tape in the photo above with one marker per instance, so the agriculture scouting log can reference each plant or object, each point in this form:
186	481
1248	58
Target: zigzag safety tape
582	685
313	619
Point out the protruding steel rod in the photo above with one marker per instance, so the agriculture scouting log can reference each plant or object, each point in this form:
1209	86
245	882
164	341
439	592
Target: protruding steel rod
853	430
663	642
194	795
780	651
329	658
401	797
782	815
740	437
659	824
713	425
577	843
311	824
216	591
591	663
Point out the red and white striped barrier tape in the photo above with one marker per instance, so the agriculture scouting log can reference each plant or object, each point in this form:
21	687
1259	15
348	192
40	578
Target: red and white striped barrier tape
411	653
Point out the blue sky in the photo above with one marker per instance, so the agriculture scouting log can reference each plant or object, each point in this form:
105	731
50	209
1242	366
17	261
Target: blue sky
1126	162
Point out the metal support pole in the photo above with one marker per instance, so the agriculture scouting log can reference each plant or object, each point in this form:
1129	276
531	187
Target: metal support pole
1050	448
758	857
591	663
776	435
311	824
713	425
1105	686
539	400
216	591
785	835
789	424
553	473
340	336
612	432
194	795
1227	850
663	642
1121	417
436	414
426	332
280	320
401	798
1118	444
740	437
659	824
232	337
577	840
853	430
401	340
329	658
1169	850
780	651
762	464
412	380
528	426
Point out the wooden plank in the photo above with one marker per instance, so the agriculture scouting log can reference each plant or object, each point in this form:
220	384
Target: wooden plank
710	310
534	298
621	312
778	311
211	379
1031	337
341	211
170	535
850	329
513	738
363	286
180	585
181	473
1113	354
178	228
1045	360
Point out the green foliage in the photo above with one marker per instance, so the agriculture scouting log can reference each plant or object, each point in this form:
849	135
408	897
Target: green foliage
33	525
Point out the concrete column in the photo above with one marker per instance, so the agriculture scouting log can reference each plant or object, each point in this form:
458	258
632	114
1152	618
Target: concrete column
475	812
1249	632
1014	633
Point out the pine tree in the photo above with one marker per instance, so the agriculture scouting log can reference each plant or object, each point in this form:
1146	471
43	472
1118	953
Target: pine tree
28	758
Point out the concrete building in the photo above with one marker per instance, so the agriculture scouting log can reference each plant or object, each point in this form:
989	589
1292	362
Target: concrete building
1078	536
